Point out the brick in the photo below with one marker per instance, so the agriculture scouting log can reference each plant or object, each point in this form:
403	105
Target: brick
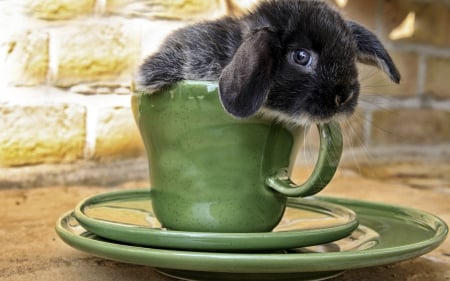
96	51
375	82
117	134
32	134
410	126
437	78
431	24
167	9
238	7
361	11
154	32
27	59
59	9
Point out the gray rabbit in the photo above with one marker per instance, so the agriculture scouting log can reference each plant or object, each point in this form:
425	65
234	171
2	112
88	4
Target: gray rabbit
292	60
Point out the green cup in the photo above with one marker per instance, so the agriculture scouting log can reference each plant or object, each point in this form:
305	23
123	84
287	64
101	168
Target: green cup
211	172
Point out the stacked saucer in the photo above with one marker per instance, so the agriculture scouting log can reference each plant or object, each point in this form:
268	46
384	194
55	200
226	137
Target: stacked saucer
128	217
317	238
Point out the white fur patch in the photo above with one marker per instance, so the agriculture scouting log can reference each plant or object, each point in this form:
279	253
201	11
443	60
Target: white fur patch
300	120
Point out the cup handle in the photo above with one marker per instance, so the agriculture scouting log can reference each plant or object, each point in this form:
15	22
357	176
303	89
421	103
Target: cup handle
329	156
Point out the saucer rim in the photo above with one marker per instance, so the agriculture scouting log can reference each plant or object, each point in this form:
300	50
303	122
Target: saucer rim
212	241
272	263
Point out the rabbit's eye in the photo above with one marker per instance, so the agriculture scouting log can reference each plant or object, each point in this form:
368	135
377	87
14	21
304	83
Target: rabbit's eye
302	57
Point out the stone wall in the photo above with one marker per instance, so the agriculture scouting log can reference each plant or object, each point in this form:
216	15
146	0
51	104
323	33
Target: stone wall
67	66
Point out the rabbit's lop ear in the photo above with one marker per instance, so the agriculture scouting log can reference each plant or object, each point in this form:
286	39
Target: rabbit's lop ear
244	83
371	51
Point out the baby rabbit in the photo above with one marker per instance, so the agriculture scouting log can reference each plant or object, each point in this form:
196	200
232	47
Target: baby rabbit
292	60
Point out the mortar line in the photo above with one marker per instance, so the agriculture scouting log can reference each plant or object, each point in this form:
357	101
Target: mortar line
420	48
53	56
142	53
99	7
379	17
422	69
440	104
91	131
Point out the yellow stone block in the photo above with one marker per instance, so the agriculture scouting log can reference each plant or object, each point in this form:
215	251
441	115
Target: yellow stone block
168	9
410	126
363	12
96	52
437	79
27	58
239	7
427	21
117	134
32	134
59	9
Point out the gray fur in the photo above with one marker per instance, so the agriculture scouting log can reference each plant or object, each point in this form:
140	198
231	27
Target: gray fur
252	58
196	52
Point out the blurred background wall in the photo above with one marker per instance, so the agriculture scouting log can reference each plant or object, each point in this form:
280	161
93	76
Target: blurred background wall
66	68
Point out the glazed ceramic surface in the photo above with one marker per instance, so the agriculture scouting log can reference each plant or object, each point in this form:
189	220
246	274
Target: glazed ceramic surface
212	172
128	217
386	234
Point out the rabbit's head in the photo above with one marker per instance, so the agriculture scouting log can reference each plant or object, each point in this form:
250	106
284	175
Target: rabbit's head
297	63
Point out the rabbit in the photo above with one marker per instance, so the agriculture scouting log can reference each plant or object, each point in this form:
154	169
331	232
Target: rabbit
291	60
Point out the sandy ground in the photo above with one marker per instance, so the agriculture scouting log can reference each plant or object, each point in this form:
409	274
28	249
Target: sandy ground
31	250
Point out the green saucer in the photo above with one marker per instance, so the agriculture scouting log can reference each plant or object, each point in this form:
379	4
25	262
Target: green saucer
128	217
386	234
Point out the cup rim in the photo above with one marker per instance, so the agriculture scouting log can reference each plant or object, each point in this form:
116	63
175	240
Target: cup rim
135	91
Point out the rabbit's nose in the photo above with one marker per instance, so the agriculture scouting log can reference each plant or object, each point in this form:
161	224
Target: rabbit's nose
342	98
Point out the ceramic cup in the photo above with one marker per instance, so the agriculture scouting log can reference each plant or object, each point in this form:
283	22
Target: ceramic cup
211	172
